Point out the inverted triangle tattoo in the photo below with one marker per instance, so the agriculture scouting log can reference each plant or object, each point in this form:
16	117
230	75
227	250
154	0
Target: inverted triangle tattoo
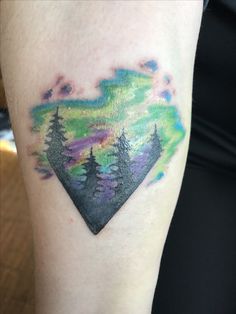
102	149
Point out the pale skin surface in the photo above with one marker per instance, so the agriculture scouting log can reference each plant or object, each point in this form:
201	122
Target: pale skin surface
116	270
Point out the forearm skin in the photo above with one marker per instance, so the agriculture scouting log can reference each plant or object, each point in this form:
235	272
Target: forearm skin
107	263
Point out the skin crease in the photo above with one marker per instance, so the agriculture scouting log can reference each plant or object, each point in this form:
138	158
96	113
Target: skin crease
116	270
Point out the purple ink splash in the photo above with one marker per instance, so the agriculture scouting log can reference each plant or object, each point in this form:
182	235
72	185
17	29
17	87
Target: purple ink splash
77	184
77	146
105	189
48	94
166	94
140	161
65	90
46	173
107	185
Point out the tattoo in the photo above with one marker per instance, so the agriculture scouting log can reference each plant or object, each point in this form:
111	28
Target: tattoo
101	149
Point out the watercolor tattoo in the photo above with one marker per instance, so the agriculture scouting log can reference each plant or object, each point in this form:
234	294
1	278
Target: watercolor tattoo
102	149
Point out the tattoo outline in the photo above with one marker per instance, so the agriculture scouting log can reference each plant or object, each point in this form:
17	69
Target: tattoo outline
101	149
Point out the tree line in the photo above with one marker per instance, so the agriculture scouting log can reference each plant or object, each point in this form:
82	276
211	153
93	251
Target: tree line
120	174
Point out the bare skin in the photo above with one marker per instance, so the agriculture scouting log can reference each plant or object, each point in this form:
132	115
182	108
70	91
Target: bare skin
116	270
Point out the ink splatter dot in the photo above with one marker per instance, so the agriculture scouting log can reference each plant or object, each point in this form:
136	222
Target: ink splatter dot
167	79
66	90
166	94
48	94
151	65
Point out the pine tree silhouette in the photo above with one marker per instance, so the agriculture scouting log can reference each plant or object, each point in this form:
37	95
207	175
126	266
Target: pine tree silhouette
92	174
121	168
57	152
156	148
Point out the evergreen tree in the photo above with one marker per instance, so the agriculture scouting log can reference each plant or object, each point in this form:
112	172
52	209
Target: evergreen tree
57	152
121	168
156	148
92	174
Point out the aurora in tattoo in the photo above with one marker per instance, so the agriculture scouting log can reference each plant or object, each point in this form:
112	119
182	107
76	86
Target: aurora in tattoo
101	149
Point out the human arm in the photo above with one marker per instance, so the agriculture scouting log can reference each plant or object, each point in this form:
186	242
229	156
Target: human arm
114	271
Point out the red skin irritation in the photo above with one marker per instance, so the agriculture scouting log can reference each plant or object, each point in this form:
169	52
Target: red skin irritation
80	91
60	78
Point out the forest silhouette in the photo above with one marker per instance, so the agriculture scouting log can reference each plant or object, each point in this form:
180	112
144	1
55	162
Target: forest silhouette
98	196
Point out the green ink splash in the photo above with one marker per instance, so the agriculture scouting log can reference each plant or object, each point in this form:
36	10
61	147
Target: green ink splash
130	101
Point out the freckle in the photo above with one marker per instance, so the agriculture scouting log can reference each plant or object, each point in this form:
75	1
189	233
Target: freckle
71	221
